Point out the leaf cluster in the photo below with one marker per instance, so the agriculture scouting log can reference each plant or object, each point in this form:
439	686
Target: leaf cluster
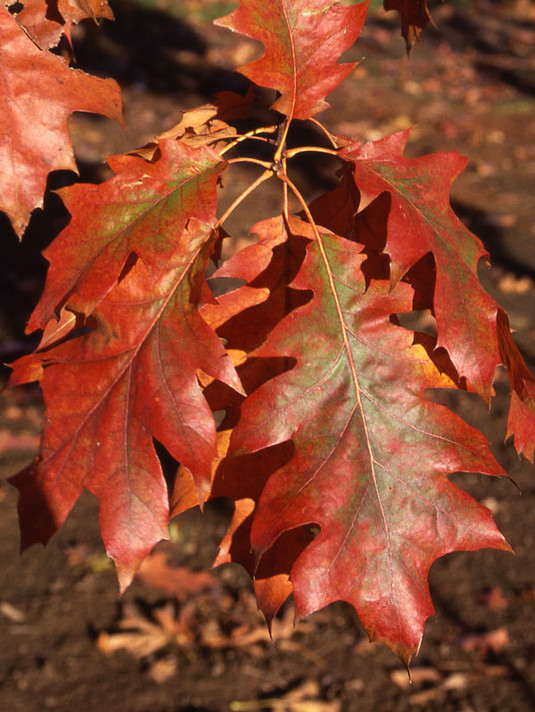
329	444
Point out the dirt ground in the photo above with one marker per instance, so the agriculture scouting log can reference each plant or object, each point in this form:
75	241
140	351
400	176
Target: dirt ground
184	638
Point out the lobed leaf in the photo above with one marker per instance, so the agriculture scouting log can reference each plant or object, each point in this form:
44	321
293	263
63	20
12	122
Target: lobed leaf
35	17
421	221
34	123
337	460
143	210
47	21
111	391
372	454
74	11
303	41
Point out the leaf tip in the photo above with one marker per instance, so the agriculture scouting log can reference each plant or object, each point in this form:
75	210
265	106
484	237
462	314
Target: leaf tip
125	576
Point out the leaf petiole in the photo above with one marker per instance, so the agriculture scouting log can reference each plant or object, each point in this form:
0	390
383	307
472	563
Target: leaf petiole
281	140
256	161
268	173
329	135
310	149
254	134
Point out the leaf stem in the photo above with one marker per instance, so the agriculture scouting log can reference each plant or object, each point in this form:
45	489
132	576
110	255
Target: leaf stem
325	259
309	149
281	141
268	173
304	205
329	135
268	165
250	134
285	208
347	347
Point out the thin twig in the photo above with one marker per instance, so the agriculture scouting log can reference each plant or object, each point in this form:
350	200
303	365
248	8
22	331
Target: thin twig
285	207
251	134
268	173
281	141
309	149
329	135
304	205
268	165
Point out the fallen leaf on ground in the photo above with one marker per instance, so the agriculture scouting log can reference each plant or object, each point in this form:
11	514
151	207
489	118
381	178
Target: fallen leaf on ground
141	637
163	670
492	641
304	698
418	676
178	581
13	614
495	599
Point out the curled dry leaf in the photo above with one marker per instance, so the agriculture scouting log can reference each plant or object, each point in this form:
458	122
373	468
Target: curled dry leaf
414	18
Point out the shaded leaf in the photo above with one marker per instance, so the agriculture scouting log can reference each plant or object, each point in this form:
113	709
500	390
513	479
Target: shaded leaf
421	221
521	421
268	265
242	480
414	18
372	454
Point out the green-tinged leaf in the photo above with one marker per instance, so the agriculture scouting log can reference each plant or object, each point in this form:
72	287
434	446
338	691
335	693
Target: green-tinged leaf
421	221
111	391
372	453
144	210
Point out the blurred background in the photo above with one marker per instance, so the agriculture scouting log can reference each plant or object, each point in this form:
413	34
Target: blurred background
186	638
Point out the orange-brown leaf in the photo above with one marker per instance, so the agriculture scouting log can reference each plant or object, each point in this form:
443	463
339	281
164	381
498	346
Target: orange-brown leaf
34	125
303	40
414	18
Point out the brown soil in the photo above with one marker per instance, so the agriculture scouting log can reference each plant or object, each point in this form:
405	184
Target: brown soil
197	643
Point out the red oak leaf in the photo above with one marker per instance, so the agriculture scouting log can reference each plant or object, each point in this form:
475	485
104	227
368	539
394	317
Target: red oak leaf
303	40
521	421
142	210
111	391
421	221
271	577
35	17
242	480
34	124
74	11
372	454
269	265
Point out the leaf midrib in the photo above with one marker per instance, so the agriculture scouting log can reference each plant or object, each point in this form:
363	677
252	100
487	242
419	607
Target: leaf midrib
133	354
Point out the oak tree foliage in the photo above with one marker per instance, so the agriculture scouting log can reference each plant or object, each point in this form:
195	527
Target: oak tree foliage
337	459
